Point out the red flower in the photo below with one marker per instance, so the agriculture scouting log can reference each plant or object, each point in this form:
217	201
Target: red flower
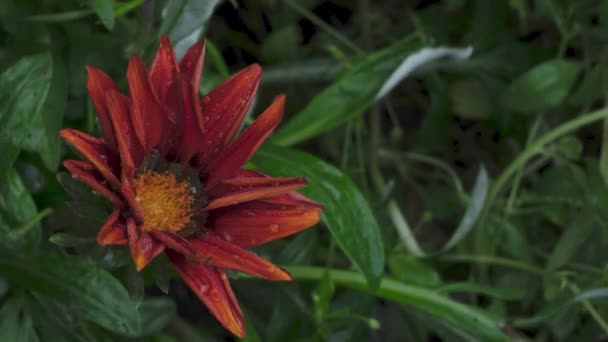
171	167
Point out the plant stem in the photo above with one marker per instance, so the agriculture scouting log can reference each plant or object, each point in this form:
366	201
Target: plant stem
537	146
457	314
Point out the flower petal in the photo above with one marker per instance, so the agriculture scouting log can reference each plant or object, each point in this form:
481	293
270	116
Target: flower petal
129	195
98	84
88	174
224	109
143	247
146	112
191	64
211	286
129	147
257	222
244	189
221	253
174	241
113	232
164	69
96	151
238	153
192	124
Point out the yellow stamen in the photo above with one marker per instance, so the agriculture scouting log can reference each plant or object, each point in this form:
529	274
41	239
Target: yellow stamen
166	204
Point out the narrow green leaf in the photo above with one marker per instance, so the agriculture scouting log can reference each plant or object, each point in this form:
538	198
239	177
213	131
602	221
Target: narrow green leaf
103	9
184	21
478	198
99	296
348	97
23	91
542	87
599	293
363	85
495	292
461	317
347	214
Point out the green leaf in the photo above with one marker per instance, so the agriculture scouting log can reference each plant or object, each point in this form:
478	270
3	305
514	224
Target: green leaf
571	240
23	91
184	21
103	9
599	293
474	322
15	321
100	298
495	292
348	97
541	88
17	209
478	199
347	214
43	136
364	84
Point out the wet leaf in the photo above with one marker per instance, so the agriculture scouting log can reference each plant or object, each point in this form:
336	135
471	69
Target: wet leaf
347	214
99	296
23	91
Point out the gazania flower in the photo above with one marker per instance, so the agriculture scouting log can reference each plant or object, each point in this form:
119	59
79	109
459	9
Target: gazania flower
173	170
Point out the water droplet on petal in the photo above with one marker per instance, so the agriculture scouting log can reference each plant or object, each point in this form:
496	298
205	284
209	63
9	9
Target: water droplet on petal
204	288
206	99
274	227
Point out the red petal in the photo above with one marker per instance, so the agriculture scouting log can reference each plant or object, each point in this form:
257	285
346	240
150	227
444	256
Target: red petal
211	286
146	112
174	241
164	69
224	109
290	200
131	151
238	153
129	195
95	151
113	231
98	84
255	223
143	247
88	174
191	64
191	133
243	189
223	254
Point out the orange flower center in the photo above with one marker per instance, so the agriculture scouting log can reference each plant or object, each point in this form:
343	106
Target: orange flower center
165	202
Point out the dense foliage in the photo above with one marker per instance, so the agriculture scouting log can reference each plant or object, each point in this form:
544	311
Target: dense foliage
460	149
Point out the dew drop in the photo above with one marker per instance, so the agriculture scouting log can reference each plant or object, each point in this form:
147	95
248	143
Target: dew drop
206	99
204	288
272	269
274	227
223	275
227	237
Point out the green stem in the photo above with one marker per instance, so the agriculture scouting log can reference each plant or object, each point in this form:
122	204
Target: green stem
459	315
537	146
323	25
19	232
